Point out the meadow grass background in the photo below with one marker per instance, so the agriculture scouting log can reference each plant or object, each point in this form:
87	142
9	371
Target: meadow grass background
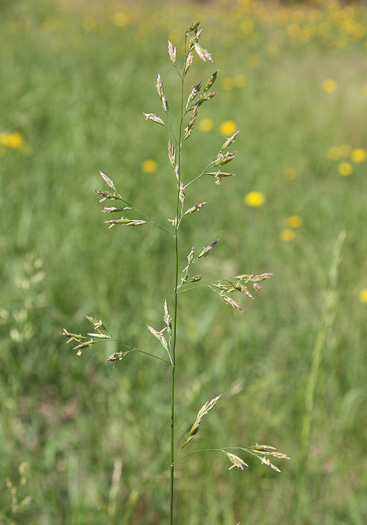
75	82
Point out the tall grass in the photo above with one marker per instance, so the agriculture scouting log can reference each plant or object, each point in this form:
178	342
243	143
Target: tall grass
183	281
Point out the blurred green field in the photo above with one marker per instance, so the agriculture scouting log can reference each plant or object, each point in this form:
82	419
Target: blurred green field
76	78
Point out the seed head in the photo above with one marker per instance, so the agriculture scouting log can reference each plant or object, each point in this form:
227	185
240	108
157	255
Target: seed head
159	86
181	194
211	81
229	141
108	181
172	53
154	118
171	154
193	27
190	257
167	318
202	53
205	251
236	460
195	208
223	159
194	91
188	62
116	356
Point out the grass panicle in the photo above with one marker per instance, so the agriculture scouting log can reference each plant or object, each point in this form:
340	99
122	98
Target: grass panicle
197	96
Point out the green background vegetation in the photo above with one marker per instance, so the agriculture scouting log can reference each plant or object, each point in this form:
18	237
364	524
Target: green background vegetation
74	84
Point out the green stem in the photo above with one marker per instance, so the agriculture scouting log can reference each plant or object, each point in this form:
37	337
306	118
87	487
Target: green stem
150	355
172	469
192	288
201	174
200	451
174	338
143	214
150	220
133	349
175	310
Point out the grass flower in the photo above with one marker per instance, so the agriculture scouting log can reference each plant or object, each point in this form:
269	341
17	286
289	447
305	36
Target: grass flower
227	128
363	296
345	169
206	124
287	235
294	221
149	166
329	85
359	155
255	199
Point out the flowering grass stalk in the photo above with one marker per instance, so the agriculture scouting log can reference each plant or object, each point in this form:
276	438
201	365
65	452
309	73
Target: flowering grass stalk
326	325
225	288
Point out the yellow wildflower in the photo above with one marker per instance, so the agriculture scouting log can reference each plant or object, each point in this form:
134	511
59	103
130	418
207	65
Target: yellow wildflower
247	26
363	296
364	89
293	30
359	155
334	153
254	199
290	174
240	81
227	83
345	169
120	19
295	221
11	140
329	85
149	166
287	235
206	124
227	128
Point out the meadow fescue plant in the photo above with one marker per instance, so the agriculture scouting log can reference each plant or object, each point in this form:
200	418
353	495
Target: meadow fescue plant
184	279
